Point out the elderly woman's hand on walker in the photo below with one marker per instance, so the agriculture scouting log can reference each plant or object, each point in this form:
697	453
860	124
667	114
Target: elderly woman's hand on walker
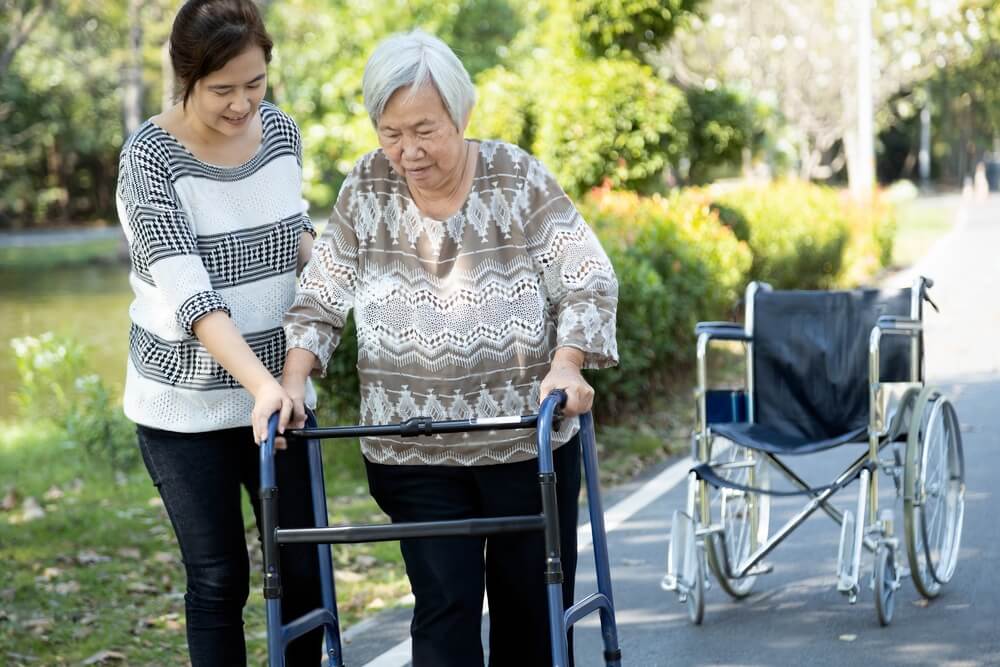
565	374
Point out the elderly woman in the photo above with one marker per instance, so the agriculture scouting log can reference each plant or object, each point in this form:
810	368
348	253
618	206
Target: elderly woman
477	288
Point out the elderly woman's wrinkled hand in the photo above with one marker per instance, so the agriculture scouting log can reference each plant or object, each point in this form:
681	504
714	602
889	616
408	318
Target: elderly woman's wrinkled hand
269	399
565	374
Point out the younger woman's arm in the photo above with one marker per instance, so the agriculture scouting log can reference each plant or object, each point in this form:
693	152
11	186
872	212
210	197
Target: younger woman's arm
223	340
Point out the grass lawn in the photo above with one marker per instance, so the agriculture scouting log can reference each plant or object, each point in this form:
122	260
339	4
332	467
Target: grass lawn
919	224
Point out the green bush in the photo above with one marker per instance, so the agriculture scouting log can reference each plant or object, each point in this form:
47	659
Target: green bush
723	125
872	231
634	25
798	233
502	108
55	386
676	265
610	121
337	393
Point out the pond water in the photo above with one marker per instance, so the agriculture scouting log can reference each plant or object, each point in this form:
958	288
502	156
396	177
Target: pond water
88	303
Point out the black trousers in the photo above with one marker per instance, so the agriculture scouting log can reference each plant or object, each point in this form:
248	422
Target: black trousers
199	476
449	575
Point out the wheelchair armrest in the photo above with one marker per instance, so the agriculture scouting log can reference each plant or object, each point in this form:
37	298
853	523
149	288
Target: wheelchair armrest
722	331
892	324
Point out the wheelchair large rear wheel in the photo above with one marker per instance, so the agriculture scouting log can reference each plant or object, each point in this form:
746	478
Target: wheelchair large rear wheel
933	492
743	515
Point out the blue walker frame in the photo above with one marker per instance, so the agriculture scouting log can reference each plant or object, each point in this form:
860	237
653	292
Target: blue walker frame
279	634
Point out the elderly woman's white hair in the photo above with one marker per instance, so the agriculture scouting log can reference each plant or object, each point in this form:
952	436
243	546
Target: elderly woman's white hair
415	59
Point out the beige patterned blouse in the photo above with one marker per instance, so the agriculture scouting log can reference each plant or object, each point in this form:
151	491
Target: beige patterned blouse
457	318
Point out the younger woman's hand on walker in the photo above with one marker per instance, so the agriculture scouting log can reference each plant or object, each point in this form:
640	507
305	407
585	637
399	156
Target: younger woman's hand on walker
268	399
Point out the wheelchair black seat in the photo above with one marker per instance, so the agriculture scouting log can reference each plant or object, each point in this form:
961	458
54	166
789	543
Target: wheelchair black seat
810	364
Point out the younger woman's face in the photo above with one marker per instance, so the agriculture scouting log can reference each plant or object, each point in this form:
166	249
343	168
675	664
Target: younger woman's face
227	99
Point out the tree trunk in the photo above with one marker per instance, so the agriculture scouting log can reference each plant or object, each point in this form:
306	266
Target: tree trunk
861	174
167	77
132	93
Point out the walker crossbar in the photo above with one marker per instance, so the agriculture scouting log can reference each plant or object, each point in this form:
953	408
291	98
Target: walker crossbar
322	535
400	531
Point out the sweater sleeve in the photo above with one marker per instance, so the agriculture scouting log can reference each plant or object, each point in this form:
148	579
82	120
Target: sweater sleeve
578	276
162	244
325	293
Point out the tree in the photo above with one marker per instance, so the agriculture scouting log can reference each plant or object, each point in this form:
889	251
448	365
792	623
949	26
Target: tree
18	18
803	57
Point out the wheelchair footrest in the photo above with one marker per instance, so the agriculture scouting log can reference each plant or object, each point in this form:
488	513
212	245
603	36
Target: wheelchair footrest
759	568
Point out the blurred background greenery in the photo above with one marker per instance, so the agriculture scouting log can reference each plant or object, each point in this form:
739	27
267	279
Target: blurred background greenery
648	94
708	142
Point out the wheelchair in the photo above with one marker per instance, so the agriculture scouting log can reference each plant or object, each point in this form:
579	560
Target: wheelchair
280	633
824	369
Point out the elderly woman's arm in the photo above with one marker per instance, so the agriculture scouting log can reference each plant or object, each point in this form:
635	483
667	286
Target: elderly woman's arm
323	300
580	282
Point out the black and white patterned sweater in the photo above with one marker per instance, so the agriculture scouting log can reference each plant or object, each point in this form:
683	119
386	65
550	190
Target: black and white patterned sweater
204	238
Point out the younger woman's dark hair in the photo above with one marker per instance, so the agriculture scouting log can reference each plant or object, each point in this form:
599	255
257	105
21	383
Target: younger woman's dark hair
207	34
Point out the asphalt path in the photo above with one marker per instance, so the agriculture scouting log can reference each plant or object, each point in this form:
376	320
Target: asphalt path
796	616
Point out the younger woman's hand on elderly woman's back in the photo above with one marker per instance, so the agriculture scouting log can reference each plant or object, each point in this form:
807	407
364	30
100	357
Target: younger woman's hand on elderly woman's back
564	373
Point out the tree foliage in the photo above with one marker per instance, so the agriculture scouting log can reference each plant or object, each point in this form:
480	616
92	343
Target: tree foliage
803	58
724	124
611	120
637	26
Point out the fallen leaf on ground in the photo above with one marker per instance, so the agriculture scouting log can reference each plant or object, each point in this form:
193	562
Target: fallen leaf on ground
54	493
103	657
130	552
49	573
89	557
67	587
347	576
9	501
365	561
140	587
38	625
31	510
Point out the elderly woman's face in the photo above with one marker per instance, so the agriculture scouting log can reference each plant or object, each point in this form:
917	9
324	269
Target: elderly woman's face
421	141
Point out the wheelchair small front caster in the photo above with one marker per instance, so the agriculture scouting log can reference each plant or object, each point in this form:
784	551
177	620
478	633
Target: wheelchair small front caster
886	583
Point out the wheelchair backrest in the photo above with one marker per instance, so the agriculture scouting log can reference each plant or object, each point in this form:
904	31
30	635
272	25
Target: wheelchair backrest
810	355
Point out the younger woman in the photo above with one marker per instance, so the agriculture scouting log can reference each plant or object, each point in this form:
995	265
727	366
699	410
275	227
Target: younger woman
209	195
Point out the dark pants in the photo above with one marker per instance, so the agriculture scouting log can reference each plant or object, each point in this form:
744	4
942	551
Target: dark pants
448	575
199	476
